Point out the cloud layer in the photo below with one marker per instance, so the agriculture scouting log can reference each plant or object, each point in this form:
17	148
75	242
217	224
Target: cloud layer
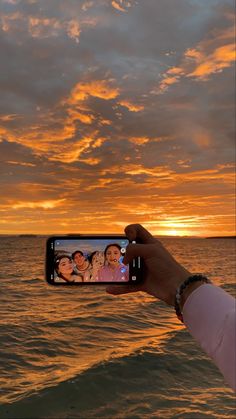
114	112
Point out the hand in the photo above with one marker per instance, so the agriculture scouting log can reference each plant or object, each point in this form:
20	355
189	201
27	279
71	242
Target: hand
162	273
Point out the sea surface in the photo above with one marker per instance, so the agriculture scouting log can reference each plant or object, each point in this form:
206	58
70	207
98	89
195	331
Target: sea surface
81	353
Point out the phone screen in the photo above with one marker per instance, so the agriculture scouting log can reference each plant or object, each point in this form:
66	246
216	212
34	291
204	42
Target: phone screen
88	260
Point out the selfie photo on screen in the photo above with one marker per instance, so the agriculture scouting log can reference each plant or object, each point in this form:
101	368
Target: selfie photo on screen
90	261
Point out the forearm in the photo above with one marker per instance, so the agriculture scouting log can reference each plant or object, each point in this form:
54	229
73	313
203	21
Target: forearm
209	315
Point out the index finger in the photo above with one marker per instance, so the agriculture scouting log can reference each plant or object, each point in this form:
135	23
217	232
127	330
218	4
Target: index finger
139	233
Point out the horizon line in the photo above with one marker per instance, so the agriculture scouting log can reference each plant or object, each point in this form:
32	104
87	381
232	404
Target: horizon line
74	234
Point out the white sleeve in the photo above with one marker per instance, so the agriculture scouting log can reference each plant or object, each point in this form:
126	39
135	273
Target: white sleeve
209	315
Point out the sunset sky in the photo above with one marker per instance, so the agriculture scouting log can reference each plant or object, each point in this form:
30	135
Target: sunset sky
115	112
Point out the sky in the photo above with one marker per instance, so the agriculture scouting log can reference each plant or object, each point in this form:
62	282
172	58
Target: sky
117	112
87	246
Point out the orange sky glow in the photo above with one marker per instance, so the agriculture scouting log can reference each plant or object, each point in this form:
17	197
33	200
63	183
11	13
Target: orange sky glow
117	112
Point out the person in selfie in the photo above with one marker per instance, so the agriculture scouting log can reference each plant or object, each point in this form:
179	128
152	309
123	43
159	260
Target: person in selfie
114	269
82	265
97	260
65	270
208	312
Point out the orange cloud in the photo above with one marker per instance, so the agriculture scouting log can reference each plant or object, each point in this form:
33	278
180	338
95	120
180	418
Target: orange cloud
175	71
8	21
91	161
184	163
95	88
42	27
73	29
212	55
21	163
82	117
100	184
171	76
167	81
3	133
131	106
98	142
138	169
49	134
118	6
105	122
69	154
39	27
39	204
170	213
153	172
193	53
122	5
169	177
11	117
207	175
139	140
226	166
215	62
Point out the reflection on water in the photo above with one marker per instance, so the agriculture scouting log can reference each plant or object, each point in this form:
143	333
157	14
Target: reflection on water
83	353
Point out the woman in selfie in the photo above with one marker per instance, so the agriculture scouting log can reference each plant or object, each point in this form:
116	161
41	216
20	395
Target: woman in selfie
113	270
65	270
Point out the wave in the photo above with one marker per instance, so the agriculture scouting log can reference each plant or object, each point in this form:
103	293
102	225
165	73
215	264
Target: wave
145	371
33	280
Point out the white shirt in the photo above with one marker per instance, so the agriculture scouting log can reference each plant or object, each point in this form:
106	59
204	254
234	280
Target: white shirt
209	313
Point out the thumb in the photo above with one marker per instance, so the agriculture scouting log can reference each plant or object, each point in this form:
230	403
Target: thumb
135	250
132	251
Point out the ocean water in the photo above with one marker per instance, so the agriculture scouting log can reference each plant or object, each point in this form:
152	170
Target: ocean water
81	353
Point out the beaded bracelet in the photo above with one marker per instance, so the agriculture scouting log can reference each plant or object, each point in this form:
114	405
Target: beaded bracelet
181	288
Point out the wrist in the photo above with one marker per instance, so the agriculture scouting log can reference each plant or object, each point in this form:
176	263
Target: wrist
179	278
185	289
188	291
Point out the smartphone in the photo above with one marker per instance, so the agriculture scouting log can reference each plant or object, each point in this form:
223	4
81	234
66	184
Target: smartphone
90	259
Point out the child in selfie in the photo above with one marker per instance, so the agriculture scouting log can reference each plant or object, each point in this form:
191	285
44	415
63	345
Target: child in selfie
113	270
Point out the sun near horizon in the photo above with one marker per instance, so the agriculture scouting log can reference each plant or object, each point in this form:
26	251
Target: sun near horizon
117	112
118	228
